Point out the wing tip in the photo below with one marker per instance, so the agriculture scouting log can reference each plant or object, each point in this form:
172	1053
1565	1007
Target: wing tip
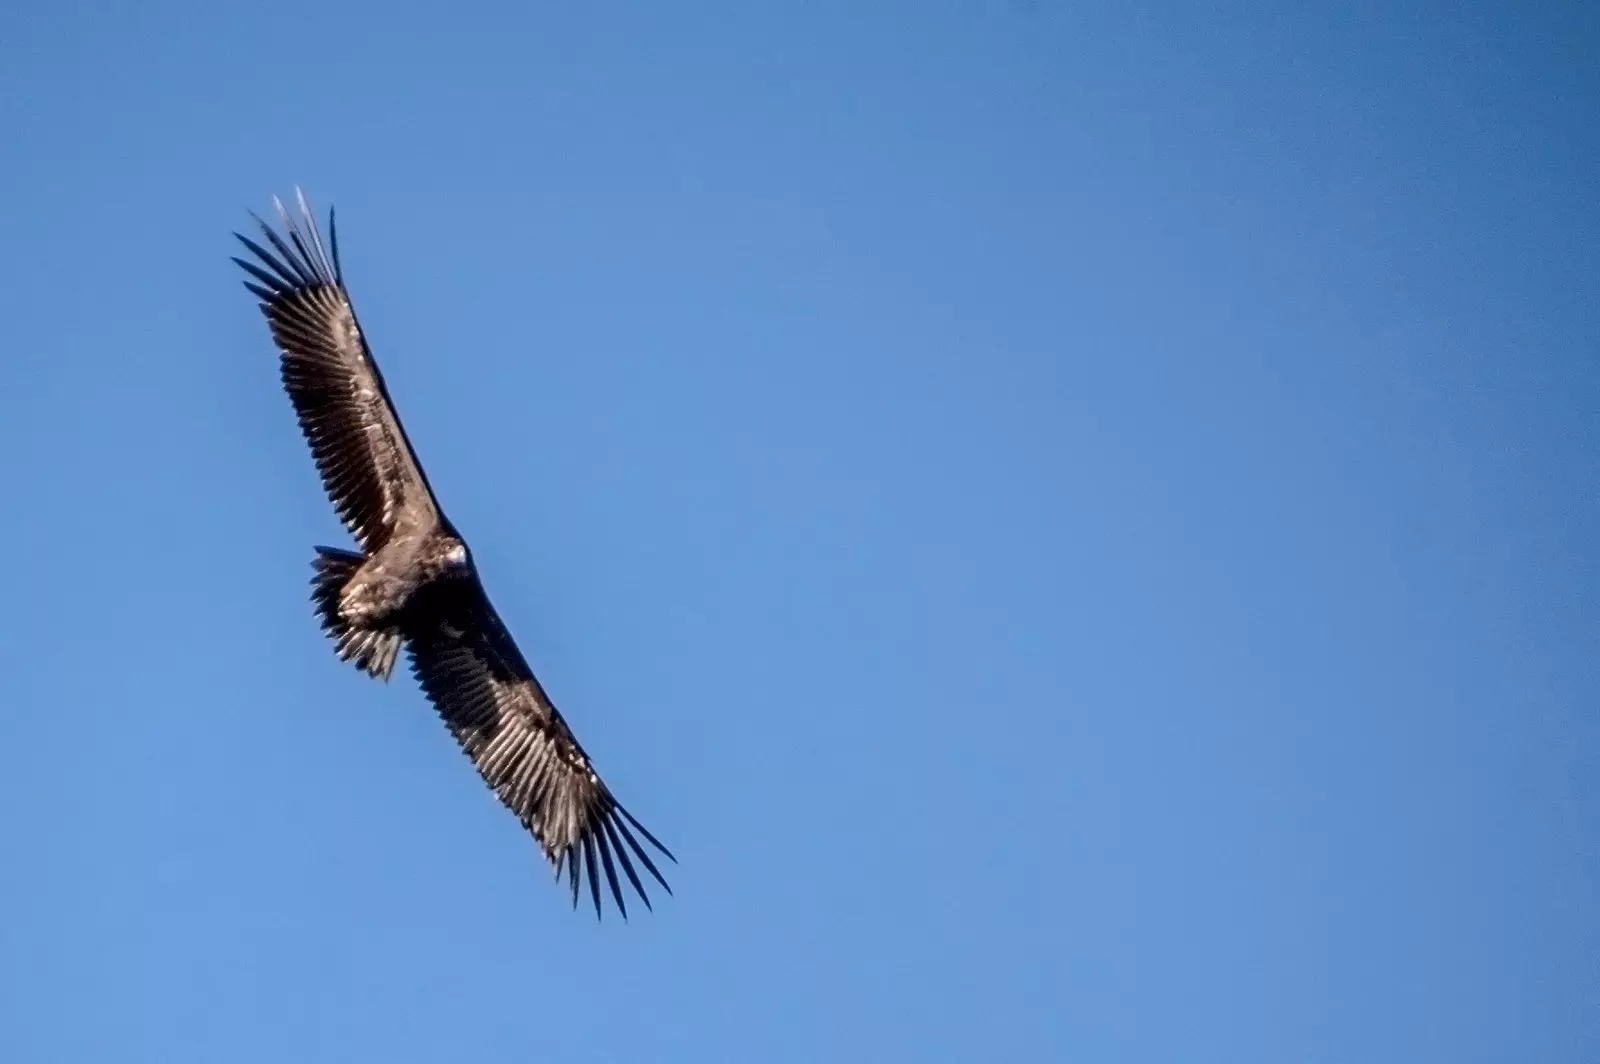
301	261
577	861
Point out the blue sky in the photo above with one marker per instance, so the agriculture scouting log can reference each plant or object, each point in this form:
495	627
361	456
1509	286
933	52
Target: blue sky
1077	523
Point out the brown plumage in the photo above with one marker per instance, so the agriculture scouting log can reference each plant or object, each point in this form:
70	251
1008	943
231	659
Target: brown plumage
414	582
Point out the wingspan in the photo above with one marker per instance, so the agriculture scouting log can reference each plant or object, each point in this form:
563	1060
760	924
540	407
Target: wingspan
368	468
477	679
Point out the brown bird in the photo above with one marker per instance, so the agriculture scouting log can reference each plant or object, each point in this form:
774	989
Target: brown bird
413	581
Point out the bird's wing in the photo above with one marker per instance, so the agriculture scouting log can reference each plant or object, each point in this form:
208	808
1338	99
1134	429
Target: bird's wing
368	468
479	682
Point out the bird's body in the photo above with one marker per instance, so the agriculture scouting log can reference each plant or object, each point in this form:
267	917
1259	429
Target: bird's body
413	582
364	599
389	579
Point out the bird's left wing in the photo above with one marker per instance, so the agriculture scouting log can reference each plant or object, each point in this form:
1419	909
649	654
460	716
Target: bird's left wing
477	679
368	468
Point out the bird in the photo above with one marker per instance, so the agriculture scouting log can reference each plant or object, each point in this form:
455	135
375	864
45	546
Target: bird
413	582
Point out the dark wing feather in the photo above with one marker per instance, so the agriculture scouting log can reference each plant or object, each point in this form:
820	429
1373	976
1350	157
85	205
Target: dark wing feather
477	679
368	468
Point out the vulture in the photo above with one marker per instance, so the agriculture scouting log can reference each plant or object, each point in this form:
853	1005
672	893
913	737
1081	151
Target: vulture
413	582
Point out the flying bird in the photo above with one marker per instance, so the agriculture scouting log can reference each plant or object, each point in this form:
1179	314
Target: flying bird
413	581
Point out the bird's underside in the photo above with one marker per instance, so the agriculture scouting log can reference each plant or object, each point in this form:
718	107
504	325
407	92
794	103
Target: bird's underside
413	584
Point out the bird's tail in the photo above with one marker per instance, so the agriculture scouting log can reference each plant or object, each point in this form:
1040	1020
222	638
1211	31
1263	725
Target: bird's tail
373	650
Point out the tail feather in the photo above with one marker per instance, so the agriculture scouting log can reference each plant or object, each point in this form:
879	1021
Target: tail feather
373	650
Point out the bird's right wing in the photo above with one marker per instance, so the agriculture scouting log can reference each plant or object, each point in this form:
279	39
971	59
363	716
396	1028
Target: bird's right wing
477	679
368	468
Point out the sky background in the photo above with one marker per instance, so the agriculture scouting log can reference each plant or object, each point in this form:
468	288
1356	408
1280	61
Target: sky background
1077	523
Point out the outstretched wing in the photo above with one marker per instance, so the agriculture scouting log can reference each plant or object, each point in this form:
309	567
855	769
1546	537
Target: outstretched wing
368	468
477	679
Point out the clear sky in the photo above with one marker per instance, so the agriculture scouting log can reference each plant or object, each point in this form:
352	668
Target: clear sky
1077	523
